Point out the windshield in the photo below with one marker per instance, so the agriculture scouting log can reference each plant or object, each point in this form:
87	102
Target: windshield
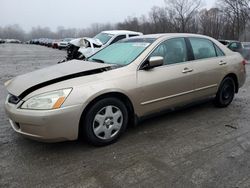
121	53
104	37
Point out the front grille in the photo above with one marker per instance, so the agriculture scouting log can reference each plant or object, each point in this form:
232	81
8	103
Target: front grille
13	99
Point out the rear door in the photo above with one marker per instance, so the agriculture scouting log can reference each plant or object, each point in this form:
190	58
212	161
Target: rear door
171	84
210	65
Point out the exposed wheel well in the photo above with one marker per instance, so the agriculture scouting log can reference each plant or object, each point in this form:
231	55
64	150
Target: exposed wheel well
117	95
234	77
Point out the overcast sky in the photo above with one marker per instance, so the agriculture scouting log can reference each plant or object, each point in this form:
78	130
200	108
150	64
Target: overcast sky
73	13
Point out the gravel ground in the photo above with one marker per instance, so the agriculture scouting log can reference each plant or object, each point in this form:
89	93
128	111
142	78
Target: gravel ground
201	146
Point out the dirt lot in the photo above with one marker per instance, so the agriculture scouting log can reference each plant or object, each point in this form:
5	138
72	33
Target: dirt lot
201	146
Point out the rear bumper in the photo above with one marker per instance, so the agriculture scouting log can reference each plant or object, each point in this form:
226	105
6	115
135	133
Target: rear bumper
45	125
242	77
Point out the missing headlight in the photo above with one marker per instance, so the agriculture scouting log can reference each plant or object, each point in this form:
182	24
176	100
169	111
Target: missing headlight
13	99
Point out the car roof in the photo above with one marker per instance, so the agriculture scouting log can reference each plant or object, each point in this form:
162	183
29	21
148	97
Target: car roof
120	32
169	35
228	40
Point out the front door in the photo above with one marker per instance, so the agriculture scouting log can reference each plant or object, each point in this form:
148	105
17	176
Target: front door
169	85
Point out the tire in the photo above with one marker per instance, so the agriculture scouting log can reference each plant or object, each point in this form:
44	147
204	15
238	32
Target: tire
105	121
226	92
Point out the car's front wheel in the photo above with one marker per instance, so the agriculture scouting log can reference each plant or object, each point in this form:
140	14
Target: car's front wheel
226	92
105	121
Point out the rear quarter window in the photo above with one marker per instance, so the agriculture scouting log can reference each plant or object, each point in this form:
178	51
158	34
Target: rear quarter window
202	48
219	52
133	35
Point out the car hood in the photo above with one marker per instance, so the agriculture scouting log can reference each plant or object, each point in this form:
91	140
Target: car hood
82	42
23	85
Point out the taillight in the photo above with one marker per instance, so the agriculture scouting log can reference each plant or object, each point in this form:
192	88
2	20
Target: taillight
244	62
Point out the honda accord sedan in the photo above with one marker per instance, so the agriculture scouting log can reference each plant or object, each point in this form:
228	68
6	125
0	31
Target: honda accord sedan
123	82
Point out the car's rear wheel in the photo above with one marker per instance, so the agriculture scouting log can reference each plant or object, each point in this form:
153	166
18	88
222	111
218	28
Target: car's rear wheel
226	92
105	121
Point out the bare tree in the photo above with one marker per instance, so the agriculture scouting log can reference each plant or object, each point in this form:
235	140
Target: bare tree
97	28
131	23
146	25
12	32
183	11
41	32
211	22
159	18
238	13
231	20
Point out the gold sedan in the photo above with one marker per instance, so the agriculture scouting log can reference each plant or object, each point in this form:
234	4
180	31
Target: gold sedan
123	82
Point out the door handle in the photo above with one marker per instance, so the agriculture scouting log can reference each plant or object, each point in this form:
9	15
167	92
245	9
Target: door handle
222	63
187	70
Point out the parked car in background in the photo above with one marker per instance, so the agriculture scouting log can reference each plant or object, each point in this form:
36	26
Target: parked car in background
105	38
2	41
233	45
40	41
55	43
224	42
246	45
45	42
237	46
48	42
125	81
64	43
83	48
34	41
74	46
16	41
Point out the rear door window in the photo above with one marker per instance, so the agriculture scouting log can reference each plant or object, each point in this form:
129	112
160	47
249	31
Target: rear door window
202	48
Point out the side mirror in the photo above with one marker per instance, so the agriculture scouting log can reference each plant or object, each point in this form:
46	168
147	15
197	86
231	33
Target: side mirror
152	62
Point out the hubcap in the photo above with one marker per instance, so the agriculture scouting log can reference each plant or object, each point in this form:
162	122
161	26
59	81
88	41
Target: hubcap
107	122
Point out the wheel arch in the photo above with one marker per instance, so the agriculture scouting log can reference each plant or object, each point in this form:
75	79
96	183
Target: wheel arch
118	95
235	78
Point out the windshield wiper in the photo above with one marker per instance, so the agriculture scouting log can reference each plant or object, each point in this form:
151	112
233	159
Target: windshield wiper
98	60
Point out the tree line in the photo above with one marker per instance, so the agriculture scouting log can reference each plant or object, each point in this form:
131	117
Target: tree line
230	19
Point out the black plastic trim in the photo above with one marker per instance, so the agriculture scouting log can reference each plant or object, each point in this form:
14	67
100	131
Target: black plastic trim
190	52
